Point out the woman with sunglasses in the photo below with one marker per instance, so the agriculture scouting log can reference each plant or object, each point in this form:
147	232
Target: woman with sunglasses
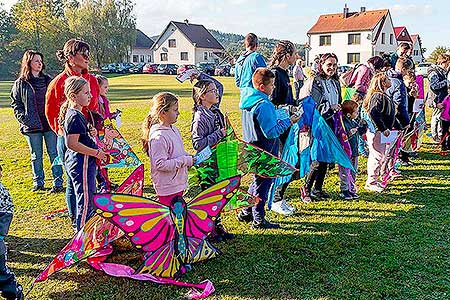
325	89
28	102
75	56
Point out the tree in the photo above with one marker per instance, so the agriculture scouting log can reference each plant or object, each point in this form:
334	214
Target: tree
436	52
7	55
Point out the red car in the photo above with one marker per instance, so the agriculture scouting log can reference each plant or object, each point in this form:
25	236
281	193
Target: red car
150	68
183	68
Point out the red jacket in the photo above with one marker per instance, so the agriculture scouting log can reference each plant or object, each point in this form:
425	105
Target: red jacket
55	96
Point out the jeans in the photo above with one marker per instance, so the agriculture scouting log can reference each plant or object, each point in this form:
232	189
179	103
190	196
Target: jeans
436	124
260	187
70	192
35	144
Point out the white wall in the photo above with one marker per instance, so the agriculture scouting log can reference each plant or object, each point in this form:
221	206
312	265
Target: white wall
417	58
388	29
174	54
142	52
199	55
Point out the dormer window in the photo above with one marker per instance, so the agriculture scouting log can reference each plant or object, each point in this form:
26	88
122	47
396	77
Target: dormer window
172	43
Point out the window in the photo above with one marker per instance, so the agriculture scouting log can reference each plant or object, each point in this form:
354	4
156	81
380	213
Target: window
135	58
383	38
403	33
325	40
205	56
184	56
172	43
142	58
353	58
149	58
391	39
354	38
416	52
163	56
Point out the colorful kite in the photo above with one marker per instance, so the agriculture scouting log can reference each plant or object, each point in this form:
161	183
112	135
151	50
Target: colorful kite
134	184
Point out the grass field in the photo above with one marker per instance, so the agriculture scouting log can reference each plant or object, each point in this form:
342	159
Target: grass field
389	246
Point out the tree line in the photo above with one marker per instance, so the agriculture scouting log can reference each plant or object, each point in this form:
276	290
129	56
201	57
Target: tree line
109	26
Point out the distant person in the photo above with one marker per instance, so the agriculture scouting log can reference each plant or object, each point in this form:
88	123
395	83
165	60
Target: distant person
28	101
248	62
299	77
402	51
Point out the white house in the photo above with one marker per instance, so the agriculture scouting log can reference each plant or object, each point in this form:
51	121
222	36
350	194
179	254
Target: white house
353	36
417	53
142	51
186	43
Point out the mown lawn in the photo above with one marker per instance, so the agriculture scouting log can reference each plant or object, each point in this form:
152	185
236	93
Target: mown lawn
389	246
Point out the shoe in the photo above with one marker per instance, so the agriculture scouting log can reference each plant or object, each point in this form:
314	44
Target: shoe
354	195
304	195
373	187
346	195
279	208
319	194
57	189
10	295
264	224
222	233
287	206
37	188
244	218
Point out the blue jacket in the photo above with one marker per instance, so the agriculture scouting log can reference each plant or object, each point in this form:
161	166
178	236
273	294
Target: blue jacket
260	125
246	64
397	92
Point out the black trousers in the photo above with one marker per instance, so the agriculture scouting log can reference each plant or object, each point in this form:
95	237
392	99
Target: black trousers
316	175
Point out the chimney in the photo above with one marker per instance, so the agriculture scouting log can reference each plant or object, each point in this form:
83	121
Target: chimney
345	15
363	9
186	21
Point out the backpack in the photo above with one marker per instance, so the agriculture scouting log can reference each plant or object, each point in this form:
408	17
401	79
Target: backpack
347	76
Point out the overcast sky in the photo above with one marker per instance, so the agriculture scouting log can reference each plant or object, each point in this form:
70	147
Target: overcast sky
288	19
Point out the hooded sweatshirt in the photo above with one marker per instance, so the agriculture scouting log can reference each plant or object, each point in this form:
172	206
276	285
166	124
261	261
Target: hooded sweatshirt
246	64
168	160
260	125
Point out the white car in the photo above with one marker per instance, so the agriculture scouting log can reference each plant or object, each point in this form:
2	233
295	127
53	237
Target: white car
422	68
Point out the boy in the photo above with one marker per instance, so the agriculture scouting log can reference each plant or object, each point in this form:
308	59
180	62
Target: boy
9	287
261	128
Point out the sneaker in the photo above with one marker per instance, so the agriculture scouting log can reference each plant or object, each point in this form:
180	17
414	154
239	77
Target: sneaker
346	195
244	218
57	189
11	295
373	187
264	224
222	233
319	194
37	188
304	195
354	195
287	206
279	208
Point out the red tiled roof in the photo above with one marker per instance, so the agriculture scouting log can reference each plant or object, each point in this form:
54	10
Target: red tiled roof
414	37
358	21
398	34
398	30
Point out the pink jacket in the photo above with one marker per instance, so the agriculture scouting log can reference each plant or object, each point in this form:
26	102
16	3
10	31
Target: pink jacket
103	107
168	160
445	115
361	78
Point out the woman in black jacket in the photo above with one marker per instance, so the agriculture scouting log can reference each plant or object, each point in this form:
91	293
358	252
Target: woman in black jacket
28	102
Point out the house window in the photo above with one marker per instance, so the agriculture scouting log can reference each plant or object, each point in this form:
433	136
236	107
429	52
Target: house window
142	58
353	58
184	56
391	39
205	56
163	56
135	58
325	40
354	38
403	33
149	58
172	43
416	52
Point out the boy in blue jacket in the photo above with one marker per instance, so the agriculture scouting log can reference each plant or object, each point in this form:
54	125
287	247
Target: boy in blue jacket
261	128
248	62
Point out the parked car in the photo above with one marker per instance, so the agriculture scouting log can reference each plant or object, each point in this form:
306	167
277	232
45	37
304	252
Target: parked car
150	68
183	68
207	68
223	70
169	69
422	68
124	68
109	68
137	69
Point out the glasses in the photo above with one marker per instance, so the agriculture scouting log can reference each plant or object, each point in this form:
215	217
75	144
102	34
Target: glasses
215	91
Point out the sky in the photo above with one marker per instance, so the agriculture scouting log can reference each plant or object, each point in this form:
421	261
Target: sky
288	19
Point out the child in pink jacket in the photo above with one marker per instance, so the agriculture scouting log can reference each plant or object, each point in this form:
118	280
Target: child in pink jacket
162	141
445	121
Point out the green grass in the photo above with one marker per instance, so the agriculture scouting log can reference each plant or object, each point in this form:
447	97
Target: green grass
389	246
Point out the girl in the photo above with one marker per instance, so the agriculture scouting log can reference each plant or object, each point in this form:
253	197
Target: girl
81	148
103	102
325	89
445	119
28	102
379	112
208	127
284	55
162	141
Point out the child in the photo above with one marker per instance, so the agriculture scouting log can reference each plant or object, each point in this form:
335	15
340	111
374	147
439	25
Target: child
379	112
82	150
261	128
445	120
162	141
8	284
350	112
208	127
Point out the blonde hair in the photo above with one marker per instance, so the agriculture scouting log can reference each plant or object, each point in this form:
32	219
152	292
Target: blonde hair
281	50
376	86
72	85
161	102
198	90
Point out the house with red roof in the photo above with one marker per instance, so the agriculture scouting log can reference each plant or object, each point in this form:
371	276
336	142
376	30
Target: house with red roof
417	53
186	43
353	36
402	35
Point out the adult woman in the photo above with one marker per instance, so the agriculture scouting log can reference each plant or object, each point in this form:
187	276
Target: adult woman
75	56
325	89
28	102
